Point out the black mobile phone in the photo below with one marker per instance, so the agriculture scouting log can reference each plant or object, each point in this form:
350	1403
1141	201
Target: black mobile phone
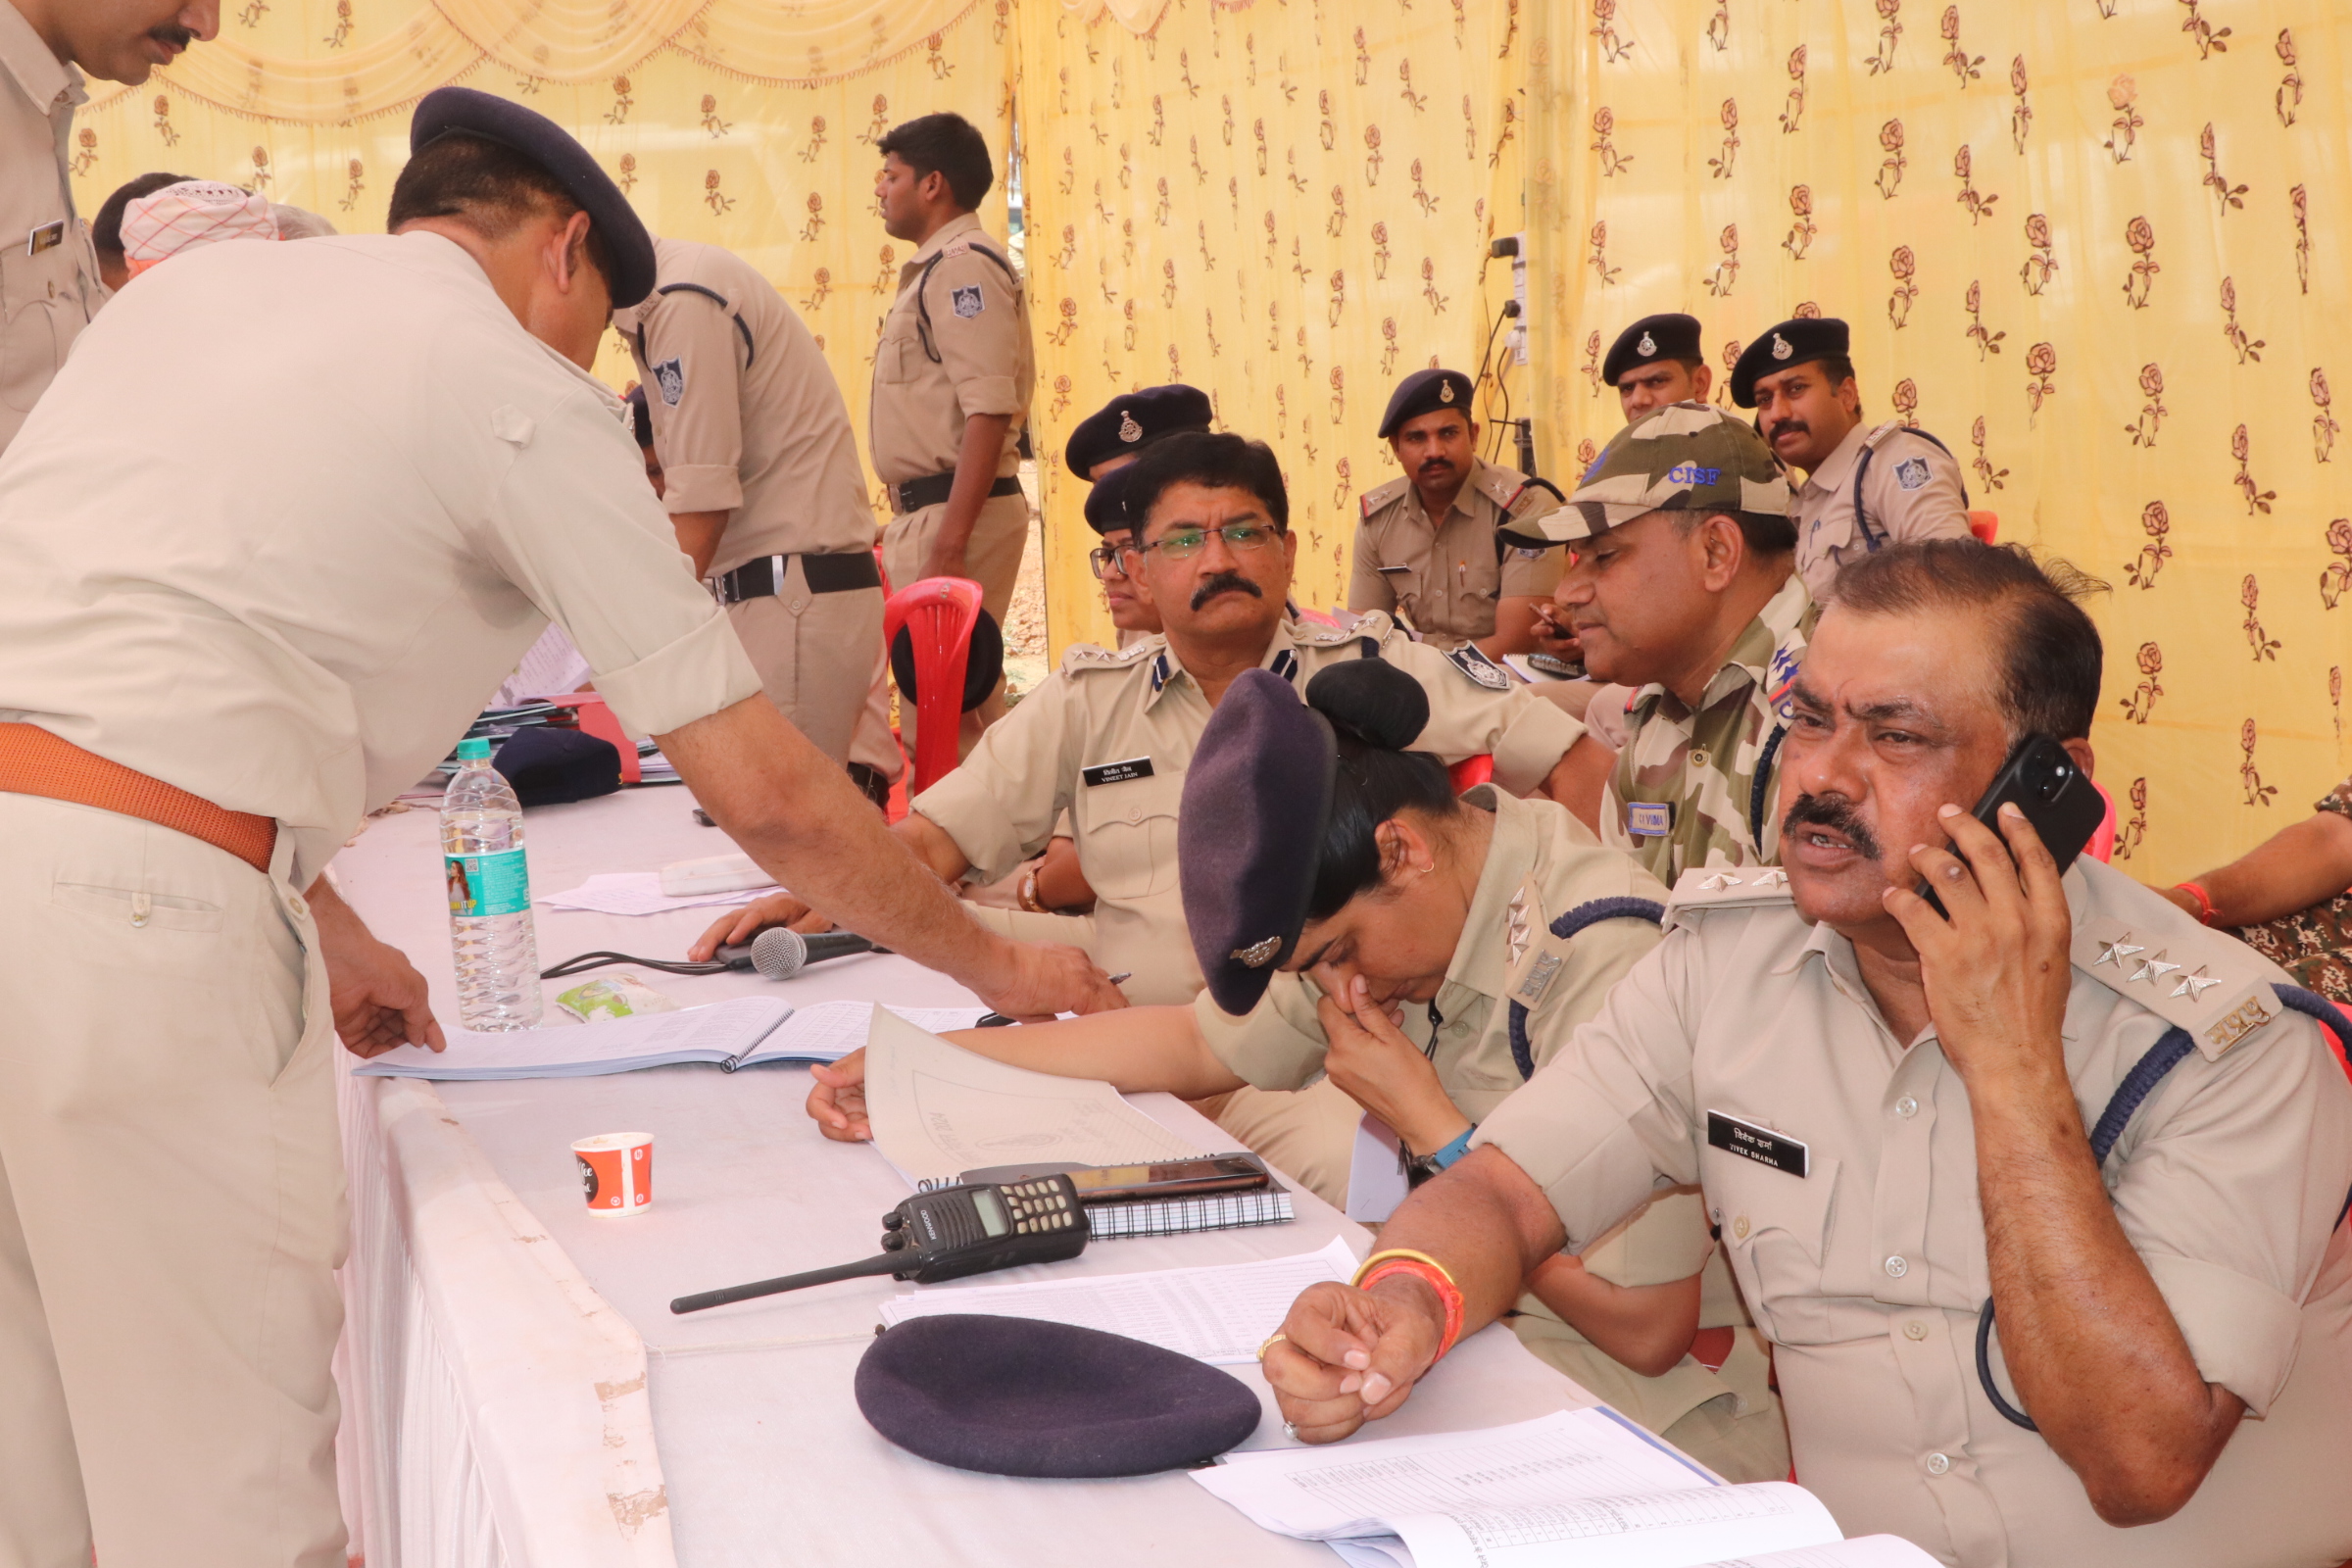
2057	796
1118	1184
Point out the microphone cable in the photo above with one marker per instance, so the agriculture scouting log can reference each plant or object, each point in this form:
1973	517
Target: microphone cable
600	957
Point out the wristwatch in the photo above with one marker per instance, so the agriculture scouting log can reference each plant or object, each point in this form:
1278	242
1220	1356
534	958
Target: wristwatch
1028	896
1421	1167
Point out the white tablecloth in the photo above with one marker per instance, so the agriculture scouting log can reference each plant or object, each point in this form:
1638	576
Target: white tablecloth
517	1391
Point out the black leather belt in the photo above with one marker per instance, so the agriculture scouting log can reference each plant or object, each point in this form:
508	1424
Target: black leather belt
826	574
933	488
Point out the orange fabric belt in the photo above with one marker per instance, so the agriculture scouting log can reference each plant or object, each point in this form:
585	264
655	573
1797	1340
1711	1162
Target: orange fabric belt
33	761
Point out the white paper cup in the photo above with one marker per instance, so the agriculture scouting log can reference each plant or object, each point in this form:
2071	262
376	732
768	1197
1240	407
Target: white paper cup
616	1172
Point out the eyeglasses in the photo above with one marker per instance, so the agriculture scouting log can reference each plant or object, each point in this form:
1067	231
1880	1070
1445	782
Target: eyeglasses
1185	543
1106	562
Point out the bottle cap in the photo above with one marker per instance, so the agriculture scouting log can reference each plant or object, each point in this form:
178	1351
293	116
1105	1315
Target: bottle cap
473	749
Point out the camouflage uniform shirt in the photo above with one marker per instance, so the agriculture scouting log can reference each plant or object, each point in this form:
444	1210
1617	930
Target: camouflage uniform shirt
1684	792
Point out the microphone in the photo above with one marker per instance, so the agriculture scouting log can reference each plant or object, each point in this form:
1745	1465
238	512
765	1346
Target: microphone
780	954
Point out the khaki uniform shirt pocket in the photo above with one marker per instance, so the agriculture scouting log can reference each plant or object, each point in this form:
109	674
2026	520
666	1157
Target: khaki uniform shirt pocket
40	311
1127	844
1776	1229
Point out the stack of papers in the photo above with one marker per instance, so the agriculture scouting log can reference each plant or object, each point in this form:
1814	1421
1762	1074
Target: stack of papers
744	1032
1585	1486
639	893
1219	1315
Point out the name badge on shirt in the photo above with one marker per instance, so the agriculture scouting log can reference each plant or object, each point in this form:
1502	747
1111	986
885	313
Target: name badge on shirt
1649	820
1117	772
47	237
1760	1143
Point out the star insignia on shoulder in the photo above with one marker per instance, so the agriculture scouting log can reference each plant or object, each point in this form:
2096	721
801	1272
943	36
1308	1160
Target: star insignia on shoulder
1719	881
1257	955
2154	969
1773	877
2195	985
2117	951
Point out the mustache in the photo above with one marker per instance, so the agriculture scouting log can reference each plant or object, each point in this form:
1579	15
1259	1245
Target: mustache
1789	428
172	33
1223	583
1835	812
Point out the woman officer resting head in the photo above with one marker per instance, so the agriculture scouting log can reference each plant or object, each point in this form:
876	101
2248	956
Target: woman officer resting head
1357	919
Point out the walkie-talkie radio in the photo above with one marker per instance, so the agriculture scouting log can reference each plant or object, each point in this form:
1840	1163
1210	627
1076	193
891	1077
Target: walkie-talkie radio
970	1229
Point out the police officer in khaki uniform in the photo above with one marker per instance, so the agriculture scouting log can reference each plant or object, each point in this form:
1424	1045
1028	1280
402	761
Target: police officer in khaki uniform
1470	935
49	280
1103	443
1892	1114
1683	599
952	379
1864	487
763	481
182	750
1658	361
1452	581
1107	737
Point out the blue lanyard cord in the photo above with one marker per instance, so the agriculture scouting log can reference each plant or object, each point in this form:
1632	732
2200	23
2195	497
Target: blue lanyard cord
2139	1083
1523	1052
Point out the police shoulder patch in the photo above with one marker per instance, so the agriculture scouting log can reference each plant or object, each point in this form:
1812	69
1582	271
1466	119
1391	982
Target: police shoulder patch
1911	472
968	300
669	378
1478	667
1381	497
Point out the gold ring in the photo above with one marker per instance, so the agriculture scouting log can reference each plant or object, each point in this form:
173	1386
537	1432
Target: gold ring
1271	1342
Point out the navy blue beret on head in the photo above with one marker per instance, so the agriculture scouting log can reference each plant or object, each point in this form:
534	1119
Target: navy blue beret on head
1106	504
1125	425
1671	336
1426	392
1249	832
448	111
548	765
1779	348
1019	1396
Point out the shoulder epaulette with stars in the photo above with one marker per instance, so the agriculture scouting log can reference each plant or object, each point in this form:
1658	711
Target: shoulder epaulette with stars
1505	487
1381	497
2203	981
1703	890
1372	623
1082	658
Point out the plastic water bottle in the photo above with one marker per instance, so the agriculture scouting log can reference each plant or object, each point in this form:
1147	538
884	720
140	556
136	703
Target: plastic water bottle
489	896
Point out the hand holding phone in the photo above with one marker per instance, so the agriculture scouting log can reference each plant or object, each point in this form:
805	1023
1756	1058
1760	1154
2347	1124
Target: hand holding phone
2059	799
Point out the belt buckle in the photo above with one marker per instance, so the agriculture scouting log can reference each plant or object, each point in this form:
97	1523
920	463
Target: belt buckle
721	588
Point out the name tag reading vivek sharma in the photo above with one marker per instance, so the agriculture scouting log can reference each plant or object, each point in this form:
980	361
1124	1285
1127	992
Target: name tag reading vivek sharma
1760	1143
1133	767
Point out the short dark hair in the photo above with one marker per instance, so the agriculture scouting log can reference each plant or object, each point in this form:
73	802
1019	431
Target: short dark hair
949	145
1768	534
1838	367
1217	458
105	229
489	188
2050	671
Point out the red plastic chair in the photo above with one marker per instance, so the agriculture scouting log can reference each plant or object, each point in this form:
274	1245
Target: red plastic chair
2102	838
939	614
1985	525
1472	771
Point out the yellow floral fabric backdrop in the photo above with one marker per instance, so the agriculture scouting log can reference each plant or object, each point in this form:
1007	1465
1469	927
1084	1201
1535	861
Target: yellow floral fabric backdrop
741	122
2096	247
1286	205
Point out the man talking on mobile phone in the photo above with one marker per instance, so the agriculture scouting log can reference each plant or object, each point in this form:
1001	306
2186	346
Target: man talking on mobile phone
1897	1120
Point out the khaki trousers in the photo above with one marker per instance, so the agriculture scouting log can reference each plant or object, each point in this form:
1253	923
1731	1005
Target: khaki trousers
992	559
815	655
170	1204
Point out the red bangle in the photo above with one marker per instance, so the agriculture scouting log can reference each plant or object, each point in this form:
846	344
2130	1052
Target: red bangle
1449	1294
2204	901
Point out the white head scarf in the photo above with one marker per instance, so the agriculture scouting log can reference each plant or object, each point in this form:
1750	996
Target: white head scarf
191	213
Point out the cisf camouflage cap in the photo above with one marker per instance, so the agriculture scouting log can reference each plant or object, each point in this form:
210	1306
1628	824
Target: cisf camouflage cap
1685	457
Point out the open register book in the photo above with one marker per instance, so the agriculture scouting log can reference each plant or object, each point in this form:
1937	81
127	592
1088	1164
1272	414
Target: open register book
742	1032
1580	1488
